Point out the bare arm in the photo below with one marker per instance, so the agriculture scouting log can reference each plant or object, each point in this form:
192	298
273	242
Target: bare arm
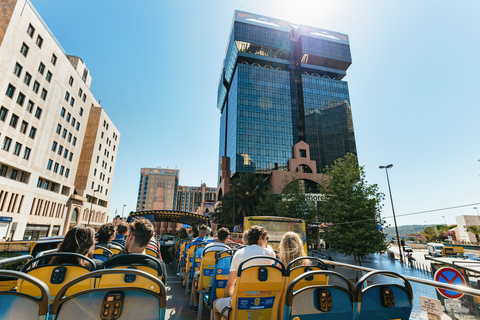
232	277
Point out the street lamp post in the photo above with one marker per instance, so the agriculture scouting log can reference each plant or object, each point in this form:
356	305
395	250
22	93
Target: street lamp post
477	211
445	220
393	210
91	206
122	210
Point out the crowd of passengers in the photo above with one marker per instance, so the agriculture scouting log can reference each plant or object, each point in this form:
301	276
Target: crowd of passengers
128	239
136	237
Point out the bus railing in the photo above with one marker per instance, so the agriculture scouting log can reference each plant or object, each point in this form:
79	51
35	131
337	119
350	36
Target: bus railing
7	261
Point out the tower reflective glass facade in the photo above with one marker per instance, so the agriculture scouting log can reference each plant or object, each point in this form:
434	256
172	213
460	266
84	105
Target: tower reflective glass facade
280	84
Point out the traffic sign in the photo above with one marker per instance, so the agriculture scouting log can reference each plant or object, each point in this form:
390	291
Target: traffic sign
431	306
452	304
450	276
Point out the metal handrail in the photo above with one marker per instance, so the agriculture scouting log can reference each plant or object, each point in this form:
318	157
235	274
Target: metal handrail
462	289
4	262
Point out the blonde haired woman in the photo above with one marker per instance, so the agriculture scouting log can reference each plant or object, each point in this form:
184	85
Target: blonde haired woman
291	248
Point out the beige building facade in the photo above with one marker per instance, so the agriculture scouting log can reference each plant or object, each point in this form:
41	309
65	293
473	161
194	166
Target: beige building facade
46	110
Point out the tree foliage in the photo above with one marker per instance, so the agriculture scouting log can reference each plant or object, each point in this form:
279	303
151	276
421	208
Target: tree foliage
247	191
475	230
353	207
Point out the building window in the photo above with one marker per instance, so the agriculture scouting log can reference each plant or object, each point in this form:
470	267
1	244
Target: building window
60	149
38	113
84	97
68	117
10	91
70	157
3	170
26	154
49	164
70	81
54	146
85	74
94	172
6	143
67	96
33	131
24	50
30	30
80	92
3	113
59	128
30	105
98	158
81	112
36	86
78	126
67	172
49	76
64	134
72	101
62	168
13	174
62	113
20	99
99	147
65	153
41	68
74	141
17	70
27	78
23	127
44	94
69	137
14	121
17	149
54	59
39	41
55	167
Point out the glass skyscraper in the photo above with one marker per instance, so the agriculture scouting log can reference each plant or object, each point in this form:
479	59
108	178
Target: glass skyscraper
281	83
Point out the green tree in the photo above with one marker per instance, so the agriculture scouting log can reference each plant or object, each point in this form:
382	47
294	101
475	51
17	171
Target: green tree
242	201
353	208
268	205
475	230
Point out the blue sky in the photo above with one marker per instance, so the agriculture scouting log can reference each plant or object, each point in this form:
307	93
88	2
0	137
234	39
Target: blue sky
156	64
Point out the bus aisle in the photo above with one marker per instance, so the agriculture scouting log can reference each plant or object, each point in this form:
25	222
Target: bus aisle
178	303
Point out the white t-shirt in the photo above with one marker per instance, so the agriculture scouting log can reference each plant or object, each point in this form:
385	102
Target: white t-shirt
215	246
248	252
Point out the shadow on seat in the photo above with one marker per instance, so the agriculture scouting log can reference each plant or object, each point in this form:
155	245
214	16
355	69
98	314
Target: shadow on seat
111	302
383	301
16	305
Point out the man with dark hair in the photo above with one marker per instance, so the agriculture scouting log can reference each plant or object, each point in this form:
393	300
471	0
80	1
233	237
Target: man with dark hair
141	231
106	234
122	230
257	240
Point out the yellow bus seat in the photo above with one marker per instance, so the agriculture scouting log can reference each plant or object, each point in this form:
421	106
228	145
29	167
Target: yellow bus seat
55	276
257	291
133	261
111	302
16	305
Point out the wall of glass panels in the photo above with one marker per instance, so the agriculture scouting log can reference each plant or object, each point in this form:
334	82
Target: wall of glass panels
328	119
264	123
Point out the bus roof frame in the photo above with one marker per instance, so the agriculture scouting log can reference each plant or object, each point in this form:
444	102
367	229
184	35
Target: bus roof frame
171	216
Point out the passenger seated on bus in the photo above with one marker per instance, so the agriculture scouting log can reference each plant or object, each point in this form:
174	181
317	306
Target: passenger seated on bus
122	230
291	248
141	231
79	239
106	234
256	239
182	234
202	237
218	245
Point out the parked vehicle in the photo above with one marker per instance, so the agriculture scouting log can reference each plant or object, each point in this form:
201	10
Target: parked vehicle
435	249
471	256
407	249
452	251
